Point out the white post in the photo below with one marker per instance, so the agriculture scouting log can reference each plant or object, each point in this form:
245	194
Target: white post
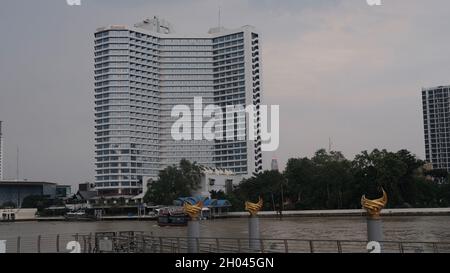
254	233
2	246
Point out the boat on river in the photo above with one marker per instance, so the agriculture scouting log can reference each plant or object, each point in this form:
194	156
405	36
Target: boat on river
80	215
172	216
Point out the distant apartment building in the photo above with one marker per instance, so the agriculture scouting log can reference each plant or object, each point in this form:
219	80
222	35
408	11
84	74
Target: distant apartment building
216	180
274	165
436	118
16	191
87	186
63	191
142	72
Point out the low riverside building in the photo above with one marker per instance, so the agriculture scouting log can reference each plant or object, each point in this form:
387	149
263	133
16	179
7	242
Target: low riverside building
212	179
16	191
86	193
146	183
86	186
211	207
10	215
85	196
215	179
63	191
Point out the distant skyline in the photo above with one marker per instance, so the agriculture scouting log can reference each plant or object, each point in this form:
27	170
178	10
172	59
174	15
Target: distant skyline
339	69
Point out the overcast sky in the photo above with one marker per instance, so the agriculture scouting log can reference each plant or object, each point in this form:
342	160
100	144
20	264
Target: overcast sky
338	69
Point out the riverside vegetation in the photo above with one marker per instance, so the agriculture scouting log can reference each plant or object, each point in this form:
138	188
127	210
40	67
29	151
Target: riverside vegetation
326	181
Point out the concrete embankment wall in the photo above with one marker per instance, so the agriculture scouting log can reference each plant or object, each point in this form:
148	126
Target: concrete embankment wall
19	214
28	215
354	212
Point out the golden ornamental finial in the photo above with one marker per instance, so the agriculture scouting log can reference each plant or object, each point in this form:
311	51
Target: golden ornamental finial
374	207
254	208
193	210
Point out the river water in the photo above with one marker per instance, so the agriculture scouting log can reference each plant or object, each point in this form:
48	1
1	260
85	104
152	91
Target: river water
402	228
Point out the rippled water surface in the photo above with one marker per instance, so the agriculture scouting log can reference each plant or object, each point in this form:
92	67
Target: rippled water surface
405	228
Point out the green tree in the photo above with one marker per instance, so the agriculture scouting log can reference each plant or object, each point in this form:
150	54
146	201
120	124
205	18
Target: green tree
268	185
8	205
427	193
174	182
322	182
396	172
220	195
299	175
326	181
36	201
443	194
237	204
330	181
332	177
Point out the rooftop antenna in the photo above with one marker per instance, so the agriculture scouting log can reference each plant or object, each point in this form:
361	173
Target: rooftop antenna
17	167
329	145
219	15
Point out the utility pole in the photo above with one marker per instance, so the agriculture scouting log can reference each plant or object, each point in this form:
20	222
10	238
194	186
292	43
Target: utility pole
273	202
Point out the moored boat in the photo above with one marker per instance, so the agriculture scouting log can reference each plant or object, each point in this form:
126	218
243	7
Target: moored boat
172	216
79	216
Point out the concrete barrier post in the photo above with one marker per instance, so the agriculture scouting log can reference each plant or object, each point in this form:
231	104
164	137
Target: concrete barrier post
374	230
254	233
193	232
2	246
193	236
374	222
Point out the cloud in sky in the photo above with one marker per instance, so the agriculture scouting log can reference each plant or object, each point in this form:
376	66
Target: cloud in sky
338	69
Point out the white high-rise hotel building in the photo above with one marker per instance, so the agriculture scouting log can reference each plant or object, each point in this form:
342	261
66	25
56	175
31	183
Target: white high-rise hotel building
141	72
436	118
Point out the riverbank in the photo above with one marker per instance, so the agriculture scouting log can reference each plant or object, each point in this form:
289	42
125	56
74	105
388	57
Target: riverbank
349	212
273	214
104	218
351	228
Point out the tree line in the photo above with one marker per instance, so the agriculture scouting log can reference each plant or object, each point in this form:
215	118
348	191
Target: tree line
330	181
325	181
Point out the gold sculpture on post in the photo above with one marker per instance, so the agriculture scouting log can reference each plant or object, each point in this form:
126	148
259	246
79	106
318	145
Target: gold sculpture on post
193	211
254	208
374	207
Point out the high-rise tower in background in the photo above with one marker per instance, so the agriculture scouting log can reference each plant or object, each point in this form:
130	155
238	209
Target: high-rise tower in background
274	165
436	117
1	152
141	72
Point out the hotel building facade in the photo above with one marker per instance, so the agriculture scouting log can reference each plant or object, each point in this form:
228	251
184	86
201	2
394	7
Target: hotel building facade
142	72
